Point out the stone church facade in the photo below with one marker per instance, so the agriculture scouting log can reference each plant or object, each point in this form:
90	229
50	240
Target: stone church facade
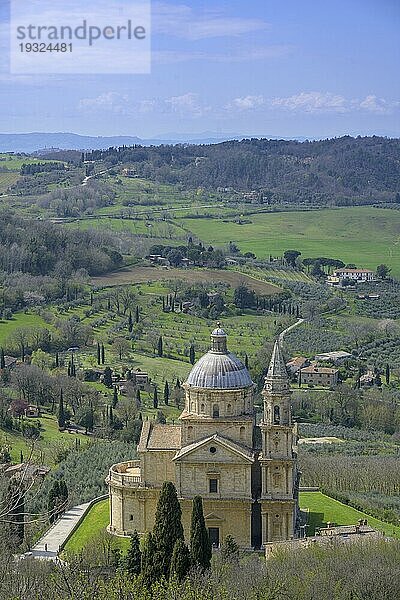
246	473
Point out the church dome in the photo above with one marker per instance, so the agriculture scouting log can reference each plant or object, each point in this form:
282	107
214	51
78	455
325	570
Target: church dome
219	369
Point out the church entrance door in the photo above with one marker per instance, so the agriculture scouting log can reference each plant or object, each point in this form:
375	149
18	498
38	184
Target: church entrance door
213	532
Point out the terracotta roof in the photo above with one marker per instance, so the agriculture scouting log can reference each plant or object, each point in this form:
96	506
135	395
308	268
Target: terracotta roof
353	271
158	436
316	369
296	361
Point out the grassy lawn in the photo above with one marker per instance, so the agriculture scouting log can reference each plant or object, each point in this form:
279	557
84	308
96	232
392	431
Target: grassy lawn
323	509
46	448
365	236
92	525
20	320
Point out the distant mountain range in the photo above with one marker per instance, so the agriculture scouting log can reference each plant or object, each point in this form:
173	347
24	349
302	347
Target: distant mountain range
34	142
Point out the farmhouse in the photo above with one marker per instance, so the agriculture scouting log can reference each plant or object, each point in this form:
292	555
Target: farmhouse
354	274
335	357
316	375
140	378
246	474
296	363
32	411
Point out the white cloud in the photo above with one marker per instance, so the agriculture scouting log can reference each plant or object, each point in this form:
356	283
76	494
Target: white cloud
378	105
182	21
108	101
312	102
187	104
248	102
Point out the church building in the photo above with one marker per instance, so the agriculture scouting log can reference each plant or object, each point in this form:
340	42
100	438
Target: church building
246	473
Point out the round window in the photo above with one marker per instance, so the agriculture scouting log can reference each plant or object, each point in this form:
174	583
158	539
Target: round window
213	449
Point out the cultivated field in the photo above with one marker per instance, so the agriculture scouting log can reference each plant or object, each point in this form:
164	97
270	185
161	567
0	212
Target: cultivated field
145	274
365	236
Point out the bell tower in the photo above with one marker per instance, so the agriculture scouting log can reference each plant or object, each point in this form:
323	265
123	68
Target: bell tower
279	474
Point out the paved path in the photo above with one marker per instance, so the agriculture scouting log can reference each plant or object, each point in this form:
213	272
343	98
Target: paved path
285	331
48	546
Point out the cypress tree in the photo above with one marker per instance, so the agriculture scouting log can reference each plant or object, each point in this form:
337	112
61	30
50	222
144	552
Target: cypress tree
57	360
166	393
130	323
115	397
149	566
102	354
63	491
167	527
72	368
180	561
107	377
53	499
133	557
160	346
110	416
2	359
200	545
138	397
137	315
246	361
387	373
192	355
98	354
61	415
155	398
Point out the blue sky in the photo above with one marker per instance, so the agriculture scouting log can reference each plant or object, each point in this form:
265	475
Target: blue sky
314	68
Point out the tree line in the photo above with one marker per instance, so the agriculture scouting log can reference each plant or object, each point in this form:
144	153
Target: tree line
320	172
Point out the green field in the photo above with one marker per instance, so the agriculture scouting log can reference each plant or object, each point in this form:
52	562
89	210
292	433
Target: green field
22	319
94	523
324	509
46	448
365	236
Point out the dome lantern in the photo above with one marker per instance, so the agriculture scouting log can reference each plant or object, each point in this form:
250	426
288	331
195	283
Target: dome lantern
219	340
219	368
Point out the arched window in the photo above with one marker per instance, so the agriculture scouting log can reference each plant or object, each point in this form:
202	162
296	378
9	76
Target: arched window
190	432
192	405
215	410
277	415
229	409
242	432
202	408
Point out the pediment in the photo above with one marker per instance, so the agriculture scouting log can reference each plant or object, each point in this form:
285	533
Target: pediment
213	517
228	448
